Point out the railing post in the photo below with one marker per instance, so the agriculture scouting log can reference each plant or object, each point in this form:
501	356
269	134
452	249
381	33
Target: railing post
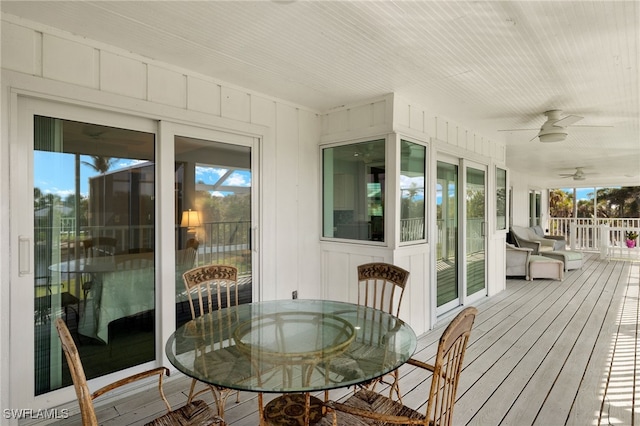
604	241
572	234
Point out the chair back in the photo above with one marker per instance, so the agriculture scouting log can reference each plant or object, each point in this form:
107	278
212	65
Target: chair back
211	282
185	259
100	246
85	398
447	368
381	286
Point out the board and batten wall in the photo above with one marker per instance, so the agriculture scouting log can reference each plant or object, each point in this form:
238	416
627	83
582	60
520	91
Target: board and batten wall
45	63
395	118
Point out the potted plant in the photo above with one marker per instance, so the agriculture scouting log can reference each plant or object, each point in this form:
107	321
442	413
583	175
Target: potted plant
631	236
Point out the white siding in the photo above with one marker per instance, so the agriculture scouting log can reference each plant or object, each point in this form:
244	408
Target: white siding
407	118
68	61
58	66
123	76
203	96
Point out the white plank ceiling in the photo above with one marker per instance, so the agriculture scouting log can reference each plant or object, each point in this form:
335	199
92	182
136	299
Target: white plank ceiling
492	65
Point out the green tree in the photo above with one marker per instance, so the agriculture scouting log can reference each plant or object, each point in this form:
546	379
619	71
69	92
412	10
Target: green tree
611	203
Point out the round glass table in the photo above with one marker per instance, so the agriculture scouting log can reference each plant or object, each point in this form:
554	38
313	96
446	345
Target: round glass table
291	347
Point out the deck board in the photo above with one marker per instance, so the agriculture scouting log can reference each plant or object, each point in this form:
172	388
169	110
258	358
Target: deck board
542	352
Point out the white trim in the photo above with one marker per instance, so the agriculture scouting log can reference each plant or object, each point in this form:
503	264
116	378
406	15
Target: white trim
25	103
22	375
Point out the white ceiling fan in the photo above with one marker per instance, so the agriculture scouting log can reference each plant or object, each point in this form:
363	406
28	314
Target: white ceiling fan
578	175
555	128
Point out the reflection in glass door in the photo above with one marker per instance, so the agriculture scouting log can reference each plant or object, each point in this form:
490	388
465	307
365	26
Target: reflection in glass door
94	240
447	235
213	182
475	230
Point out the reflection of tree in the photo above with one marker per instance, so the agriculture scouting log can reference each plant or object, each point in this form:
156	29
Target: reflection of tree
501	201
232	208
41	200
100	163
411	205
475	204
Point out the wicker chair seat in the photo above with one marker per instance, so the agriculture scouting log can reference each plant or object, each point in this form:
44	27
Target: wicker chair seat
193	414
375	403
369	408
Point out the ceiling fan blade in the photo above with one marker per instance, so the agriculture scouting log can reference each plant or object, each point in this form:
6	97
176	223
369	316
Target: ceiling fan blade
515	130
591	125
568	120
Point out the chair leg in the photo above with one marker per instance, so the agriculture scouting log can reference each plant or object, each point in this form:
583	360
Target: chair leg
395	386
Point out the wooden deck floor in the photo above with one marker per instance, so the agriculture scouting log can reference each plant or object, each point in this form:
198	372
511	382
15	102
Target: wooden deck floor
542	352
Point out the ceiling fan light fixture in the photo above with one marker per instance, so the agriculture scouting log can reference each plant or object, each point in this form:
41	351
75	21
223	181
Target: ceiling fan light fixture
552	136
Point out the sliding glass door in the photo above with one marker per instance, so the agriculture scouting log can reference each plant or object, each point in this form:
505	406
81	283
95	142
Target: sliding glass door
213	200
86	190
90	205
447	275
461	212
475	230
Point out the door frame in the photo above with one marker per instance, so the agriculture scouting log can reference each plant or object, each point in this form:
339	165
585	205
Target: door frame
168	131
22	374
463	299
21	233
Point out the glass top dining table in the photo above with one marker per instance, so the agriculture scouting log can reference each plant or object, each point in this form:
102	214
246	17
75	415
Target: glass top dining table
288	346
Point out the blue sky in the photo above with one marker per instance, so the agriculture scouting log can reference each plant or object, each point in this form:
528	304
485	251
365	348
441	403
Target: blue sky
581	193
54	174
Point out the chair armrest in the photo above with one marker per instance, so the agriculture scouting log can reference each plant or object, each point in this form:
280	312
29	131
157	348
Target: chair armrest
420	364
555	237
159	371
534	245
426	366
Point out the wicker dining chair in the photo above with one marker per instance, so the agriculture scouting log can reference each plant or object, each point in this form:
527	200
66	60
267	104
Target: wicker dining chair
370	408
381	286
204	285
193	413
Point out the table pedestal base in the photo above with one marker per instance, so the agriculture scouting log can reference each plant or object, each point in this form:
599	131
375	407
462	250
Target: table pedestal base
288	410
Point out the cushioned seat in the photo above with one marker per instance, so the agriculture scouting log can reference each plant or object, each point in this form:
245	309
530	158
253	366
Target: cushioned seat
571	259
527	237
545	267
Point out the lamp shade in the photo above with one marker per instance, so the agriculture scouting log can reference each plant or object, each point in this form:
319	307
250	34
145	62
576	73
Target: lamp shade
190	219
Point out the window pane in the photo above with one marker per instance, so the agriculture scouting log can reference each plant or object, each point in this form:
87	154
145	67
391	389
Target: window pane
94	217
447	233
412	173
501	198
213	213
354	189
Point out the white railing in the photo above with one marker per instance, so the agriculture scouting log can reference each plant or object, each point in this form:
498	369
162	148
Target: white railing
613	238
412	229
585	233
